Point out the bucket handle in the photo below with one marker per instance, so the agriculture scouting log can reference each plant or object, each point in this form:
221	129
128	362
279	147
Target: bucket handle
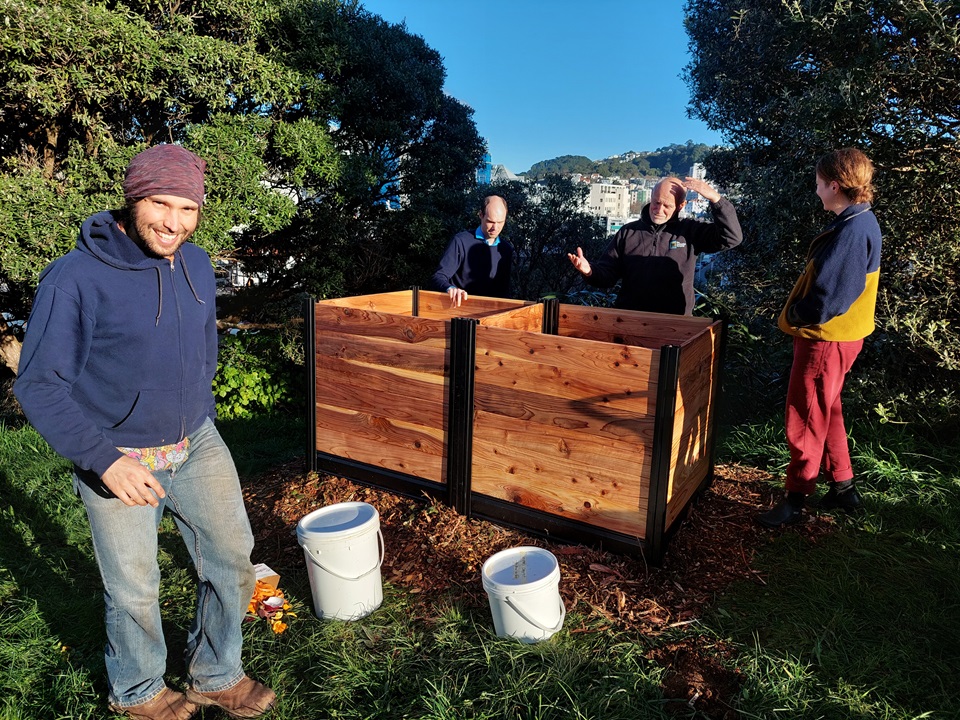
563	614
361	575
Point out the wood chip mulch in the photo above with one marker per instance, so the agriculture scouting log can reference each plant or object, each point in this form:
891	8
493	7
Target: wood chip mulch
433	551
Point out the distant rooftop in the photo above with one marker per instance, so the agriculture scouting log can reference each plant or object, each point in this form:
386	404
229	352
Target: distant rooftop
500	173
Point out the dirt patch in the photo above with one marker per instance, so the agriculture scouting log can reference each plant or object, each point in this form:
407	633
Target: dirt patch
698	677
434	551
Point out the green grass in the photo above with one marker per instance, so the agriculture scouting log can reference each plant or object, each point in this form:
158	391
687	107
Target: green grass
861	624
864	623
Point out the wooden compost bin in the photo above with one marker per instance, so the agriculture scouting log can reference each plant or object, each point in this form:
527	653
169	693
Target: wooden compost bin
381	380
585	424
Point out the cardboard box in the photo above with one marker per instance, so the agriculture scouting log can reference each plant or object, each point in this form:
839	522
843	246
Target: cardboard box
266	574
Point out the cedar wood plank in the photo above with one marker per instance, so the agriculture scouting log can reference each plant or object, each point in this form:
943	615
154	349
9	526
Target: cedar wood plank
391	393
403	447
396	303
650	330
540	401
617	376
690	460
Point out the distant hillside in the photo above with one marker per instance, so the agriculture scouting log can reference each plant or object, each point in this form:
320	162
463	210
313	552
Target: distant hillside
673	159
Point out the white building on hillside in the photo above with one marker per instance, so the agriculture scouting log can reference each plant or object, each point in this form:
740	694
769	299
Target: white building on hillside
697	205
607	200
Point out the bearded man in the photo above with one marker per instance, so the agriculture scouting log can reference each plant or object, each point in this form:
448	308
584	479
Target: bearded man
116	374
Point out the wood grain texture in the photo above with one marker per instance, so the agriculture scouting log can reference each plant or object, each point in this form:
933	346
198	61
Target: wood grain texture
391	444
601	420
573	477
649	330
438	305
604	374
381	385
397	303
565	426
391	392
693	422
429	356
528	318
370	323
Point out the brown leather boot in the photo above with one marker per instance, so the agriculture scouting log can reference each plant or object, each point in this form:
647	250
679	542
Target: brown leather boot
167	705
246	699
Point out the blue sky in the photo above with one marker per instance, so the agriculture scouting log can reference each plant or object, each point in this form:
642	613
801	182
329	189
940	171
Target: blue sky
561	77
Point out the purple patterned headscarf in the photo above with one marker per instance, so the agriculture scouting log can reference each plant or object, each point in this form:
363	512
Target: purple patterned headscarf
165	170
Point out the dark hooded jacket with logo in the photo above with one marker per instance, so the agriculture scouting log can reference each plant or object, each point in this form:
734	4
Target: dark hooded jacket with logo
656	263
121	347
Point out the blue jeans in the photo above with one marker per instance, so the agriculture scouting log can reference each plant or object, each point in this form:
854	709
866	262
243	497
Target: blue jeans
204	497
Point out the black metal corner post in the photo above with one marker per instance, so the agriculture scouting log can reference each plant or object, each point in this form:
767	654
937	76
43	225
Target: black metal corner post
310	366
667	381
551	316
415	299
463	345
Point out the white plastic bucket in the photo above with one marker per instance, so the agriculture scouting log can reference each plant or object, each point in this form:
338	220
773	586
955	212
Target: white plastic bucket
523	586
343	548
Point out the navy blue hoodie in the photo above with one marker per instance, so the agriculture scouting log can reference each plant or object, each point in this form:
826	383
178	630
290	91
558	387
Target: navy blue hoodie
121	347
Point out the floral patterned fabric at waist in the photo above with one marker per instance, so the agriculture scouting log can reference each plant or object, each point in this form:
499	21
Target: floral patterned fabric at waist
165	457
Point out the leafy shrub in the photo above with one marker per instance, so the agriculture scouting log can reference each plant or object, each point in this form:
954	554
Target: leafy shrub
255	374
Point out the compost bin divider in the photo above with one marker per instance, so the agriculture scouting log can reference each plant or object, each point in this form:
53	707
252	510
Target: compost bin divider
551	316
463	347
310	365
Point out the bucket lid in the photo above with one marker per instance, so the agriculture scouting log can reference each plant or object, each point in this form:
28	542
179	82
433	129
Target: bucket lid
522	569
338	521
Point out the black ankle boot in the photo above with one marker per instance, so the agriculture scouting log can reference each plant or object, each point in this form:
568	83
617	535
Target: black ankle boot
840	497
788	511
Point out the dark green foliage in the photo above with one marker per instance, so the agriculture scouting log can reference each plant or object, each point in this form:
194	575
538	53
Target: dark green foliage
786	82
672	159
86	85
546	221
337	164
254	375
408	157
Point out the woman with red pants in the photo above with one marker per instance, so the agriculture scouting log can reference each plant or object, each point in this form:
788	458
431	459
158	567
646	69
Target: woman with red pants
829	313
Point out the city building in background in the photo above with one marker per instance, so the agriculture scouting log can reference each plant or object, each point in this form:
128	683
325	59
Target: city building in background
484	172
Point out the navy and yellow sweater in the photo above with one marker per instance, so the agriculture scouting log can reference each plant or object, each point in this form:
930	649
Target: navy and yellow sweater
836	296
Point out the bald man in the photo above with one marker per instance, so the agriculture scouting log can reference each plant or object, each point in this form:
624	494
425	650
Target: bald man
656	256
479	261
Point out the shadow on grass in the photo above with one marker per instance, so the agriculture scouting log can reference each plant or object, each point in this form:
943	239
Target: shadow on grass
399	663
58	608
862	623
56	593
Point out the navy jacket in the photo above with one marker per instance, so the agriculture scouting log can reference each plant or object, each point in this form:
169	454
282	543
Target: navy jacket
121	347
470	264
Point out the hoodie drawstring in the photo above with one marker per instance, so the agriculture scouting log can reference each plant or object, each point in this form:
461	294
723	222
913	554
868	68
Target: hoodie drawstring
160	295
186	274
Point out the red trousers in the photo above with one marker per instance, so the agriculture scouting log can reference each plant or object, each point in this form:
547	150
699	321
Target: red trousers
814	418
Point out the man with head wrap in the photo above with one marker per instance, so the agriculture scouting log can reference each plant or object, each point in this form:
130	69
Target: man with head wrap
115	373
655	257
